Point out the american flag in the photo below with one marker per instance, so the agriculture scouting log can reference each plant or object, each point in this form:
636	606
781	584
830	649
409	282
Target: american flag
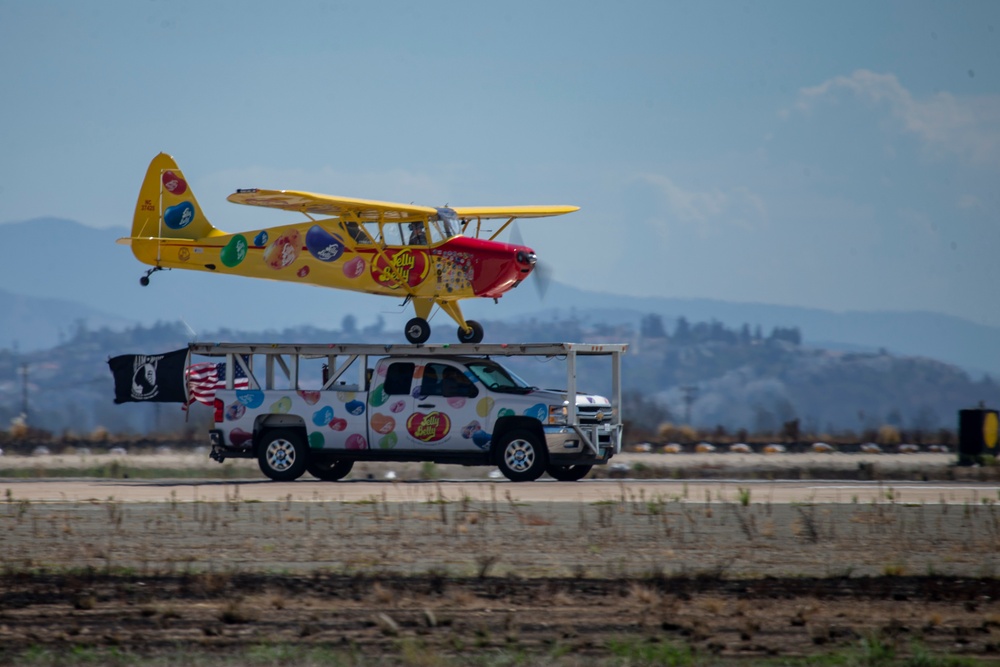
204	379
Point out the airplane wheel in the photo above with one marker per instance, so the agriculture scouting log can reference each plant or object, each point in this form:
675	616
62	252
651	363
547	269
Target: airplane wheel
417	330
474	335
144	281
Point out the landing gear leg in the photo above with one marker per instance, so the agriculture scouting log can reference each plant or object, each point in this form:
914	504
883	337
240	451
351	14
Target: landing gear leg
145	279
468	331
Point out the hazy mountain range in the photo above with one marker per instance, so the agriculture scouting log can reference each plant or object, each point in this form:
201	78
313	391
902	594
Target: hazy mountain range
58	275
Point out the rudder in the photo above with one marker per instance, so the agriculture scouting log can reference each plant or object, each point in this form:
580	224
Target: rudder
167	207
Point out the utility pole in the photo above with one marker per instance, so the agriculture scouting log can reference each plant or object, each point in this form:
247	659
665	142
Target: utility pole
24	391
690	396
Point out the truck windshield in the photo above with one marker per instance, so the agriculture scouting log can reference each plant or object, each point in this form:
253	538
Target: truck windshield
497	378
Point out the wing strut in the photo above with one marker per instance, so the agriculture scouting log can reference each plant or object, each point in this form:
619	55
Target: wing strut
503	227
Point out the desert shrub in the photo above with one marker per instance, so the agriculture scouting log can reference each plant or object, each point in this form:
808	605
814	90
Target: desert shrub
888	435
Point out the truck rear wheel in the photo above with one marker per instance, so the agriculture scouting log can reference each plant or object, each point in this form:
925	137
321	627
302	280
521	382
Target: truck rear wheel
521	456
282	455
330	471
568	473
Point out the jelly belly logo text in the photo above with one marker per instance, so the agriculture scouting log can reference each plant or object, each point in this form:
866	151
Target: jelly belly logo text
428	428
400	267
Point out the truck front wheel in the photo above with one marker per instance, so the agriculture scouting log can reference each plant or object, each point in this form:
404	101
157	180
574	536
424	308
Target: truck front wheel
521	456
330	471
568	473
282	455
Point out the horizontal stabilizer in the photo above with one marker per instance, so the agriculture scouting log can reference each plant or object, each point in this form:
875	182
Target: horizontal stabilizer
127	240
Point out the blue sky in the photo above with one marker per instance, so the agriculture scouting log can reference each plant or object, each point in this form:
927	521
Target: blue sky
843	155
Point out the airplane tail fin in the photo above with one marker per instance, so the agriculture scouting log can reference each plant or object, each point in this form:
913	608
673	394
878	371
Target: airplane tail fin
167	208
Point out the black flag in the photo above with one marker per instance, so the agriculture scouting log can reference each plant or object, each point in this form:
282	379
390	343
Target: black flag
157	377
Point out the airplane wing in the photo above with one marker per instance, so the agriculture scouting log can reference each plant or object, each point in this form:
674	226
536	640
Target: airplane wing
485	212
363	210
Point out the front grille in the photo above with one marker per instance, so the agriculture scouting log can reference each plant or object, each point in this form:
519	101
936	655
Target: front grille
593	414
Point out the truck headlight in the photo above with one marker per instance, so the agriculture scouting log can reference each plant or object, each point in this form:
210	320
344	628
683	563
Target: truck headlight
557	414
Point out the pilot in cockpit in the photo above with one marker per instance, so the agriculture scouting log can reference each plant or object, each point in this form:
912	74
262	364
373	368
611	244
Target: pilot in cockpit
356	233
417	234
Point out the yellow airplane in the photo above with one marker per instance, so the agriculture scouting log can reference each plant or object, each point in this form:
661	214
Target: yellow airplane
419	252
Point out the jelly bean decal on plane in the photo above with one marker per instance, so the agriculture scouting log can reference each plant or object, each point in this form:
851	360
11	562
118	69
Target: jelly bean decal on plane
179	216
283	250
173	183
323	245
354	268
395	268
235	251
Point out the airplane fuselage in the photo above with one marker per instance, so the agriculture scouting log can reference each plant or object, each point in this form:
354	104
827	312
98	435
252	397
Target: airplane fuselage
319	254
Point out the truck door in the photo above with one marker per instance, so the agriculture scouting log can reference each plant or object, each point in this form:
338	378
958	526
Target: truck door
424	404
444	408
390	400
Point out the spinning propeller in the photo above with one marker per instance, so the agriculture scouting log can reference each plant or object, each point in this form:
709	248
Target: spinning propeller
542	270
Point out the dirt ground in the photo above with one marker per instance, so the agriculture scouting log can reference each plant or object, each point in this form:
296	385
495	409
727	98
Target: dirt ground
437	577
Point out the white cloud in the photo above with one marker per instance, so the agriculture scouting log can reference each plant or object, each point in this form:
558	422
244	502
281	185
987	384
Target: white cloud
970	202
739	206
967	126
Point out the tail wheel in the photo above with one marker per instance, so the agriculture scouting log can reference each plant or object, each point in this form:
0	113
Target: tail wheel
521	456
417	330
330	471
473	335
282	455
568	473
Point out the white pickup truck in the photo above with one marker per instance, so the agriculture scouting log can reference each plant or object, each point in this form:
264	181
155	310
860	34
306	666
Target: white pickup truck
440	403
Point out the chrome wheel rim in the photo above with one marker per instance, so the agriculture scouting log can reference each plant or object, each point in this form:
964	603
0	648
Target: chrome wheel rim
280	455
519	455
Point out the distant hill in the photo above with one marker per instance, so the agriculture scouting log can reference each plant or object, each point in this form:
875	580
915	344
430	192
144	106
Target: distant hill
32	323
972	346
83	265
740	379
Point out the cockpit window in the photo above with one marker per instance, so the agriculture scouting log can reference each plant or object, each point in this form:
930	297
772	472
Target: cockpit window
356	232
447	223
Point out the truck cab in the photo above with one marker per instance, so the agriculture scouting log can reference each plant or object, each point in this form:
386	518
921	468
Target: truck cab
446	404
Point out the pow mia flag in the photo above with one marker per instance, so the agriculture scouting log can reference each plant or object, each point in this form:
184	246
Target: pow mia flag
158	378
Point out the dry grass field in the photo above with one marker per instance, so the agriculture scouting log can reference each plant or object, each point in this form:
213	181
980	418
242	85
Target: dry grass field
502	576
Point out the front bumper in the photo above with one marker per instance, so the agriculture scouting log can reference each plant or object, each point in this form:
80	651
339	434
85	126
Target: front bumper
583	443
